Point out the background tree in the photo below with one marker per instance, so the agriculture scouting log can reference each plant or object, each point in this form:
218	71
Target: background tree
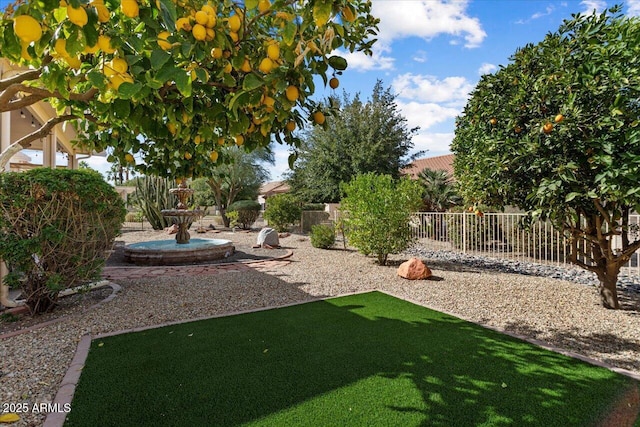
370	136
172	80
239	179
377	210
438	192
556	133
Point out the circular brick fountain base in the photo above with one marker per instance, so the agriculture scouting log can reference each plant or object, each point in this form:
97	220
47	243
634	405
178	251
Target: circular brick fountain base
169	252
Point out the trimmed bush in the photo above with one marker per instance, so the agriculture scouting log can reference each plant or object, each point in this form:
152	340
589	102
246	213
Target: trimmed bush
322	236
377	211
282	211
56	227
248	212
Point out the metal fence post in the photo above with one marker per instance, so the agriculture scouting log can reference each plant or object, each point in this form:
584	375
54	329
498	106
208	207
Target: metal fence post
464	233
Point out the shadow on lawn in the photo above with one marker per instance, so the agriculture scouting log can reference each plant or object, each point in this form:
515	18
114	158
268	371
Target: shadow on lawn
367	359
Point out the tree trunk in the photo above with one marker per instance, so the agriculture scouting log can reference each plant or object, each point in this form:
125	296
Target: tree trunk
608	277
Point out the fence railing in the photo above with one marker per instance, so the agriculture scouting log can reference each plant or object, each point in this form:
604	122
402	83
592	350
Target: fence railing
501	235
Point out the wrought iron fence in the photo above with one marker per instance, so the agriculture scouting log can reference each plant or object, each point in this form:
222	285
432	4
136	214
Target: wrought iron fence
501	235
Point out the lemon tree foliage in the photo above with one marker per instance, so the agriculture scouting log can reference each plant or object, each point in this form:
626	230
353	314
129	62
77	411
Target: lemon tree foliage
556	133
173	81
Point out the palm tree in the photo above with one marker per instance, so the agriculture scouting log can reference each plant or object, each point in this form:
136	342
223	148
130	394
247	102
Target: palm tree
439	194
439	191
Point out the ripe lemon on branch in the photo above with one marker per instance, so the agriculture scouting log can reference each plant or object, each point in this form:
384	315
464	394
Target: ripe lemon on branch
27	28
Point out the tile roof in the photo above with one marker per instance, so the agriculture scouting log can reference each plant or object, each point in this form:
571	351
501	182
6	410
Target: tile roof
274	187
444	163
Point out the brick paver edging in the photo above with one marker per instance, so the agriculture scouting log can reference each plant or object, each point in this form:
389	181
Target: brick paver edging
70	380
115	288
140	272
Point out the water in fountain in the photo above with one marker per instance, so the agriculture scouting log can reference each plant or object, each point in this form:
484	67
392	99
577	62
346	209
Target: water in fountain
182	250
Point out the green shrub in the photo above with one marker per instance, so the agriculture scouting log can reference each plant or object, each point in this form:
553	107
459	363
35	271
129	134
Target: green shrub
248	212
282	211
55	228
322	236
136	216
233	218
377	213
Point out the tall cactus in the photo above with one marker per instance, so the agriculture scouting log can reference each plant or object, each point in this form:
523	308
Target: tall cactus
152	196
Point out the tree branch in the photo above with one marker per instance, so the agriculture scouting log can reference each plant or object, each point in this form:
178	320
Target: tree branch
36	94
29	75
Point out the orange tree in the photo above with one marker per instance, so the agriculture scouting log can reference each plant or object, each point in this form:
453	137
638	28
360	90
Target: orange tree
171	81
555	133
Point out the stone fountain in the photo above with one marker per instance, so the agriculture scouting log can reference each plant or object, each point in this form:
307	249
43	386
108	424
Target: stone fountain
182	250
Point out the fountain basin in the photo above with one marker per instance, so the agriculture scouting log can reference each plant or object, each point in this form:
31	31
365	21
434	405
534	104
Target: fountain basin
169	252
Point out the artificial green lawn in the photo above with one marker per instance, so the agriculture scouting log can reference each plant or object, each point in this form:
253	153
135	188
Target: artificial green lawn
362	360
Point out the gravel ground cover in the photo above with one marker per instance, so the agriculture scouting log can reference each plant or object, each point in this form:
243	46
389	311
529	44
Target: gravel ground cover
562	313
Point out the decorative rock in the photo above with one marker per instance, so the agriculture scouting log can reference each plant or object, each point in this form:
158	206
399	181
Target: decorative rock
268	238
414	269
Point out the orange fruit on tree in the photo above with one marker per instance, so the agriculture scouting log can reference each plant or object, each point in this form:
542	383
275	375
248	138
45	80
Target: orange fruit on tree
187	155
129	158
239	139
290	126
77	15
60	47
547	128
221	141
27	28
493	121
234	36
334	83
213	156
559	118
292	93
319	117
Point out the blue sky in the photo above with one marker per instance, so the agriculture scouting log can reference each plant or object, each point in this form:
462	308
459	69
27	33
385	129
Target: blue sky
432	53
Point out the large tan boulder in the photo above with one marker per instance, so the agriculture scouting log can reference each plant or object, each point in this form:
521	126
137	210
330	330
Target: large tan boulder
414	269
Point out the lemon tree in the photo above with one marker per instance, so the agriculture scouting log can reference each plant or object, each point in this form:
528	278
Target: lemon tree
556	132
173	81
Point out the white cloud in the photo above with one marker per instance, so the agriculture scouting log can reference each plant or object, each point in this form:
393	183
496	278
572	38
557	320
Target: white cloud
633	7
487	68
420	56
427	19
548	11
426	114
435	144
450	91
591	5
360	62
